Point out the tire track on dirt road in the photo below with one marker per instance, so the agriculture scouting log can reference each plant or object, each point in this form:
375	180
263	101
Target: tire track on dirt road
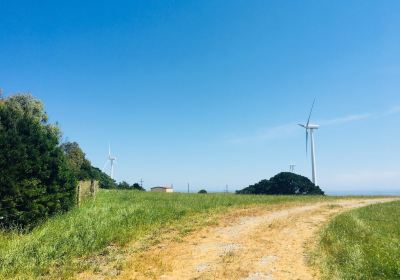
271	244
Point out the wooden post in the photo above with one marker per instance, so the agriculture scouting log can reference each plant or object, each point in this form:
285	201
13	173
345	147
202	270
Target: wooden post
79	194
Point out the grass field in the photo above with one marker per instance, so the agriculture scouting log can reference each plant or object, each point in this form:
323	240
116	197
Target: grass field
363	244
114	218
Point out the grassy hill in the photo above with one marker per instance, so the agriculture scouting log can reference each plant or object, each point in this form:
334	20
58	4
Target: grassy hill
58	247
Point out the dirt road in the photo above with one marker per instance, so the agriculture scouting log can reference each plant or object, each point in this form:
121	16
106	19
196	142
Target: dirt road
265	244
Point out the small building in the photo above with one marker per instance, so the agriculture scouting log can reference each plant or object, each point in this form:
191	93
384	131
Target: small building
162	189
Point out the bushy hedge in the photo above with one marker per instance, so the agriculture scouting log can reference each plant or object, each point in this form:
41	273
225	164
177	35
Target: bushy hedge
283	183
35	179
82	168
125	186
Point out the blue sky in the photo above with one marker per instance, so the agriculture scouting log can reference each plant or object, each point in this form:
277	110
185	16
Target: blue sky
209	92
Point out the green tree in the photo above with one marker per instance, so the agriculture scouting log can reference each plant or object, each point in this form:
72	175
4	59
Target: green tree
35	178
123	185
202	191
137	187
83	169
105	181
77	160
262	187
284	183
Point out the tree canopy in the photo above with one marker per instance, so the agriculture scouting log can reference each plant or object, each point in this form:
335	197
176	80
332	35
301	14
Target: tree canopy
126	186
82	168
77	161
105	181
284	183
35	178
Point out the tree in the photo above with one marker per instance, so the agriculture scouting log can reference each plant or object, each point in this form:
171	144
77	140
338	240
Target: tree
77	161
284	183
105	181
202	191
83	169
126	186
123	185
262	187
137	187
35	178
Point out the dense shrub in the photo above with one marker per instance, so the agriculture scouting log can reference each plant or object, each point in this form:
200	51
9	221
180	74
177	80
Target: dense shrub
105	181
35	179
202	191
283	183
124	185
77	161
83	169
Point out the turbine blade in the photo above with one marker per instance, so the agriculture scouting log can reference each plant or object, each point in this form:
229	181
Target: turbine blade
109	150
302	125
309	116
105	164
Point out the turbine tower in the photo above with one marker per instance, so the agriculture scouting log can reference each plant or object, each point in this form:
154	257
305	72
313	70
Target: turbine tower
310	130
112	160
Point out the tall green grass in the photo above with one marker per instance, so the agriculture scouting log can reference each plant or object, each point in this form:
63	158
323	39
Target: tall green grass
363	244
114	218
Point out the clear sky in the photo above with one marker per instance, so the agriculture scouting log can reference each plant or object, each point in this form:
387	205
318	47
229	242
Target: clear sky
209	92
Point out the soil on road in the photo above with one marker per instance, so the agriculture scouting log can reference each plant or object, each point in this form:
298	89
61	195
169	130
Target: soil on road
262	243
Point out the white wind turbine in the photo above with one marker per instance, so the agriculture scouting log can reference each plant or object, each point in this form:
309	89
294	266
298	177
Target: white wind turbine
112	160
310	129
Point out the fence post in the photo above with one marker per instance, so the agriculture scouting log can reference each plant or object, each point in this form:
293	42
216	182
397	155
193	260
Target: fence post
79	194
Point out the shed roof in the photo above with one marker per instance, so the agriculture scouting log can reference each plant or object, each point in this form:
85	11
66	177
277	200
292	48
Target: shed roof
159	187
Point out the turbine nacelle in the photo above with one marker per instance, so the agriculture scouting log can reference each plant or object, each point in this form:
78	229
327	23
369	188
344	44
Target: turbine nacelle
309	126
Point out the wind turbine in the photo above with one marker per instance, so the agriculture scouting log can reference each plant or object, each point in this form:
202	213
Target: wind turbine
310	130
112	159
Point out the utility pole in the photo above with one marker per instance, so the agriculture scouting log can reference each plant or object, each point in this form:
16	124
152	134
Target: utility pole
141	182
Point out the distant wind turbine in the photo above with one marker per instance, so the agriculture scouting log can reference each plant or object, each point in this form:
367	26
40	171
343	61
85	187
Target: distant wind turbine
112	160
310	129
